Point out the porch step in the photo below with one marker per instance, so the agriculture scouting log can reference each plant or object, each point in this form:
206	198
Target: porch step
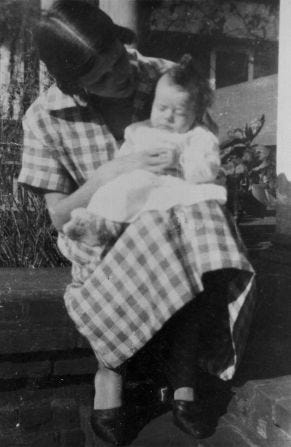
162	433
261	410
258	415
228	435
232	434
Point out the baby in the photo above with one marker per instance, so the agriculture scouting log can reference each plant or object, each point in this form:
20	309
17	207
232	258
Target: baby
181	99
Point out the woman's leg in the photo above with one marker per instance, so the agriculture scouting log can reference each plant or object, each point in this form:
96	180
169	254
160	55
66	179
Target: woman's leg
181	336
108	389
108	418
179	340
175	347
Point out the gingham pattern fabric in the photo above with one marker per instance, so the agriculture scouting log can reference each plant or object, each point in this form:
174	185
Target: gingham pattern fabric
154	268
66	139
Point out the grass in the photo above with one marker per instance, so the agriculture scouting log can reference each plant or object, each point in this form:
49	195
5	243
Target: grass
27	237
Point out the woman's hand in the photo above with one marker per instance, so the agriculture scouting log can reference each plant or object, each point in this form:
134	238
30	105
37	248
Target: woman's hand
60	205
153	160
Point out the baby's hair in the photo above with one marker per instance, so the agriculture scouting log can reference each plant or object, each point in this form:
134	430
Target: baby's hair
188	75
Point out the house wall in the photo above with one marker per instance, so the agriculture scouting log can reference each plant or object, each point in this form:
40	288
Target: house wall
238	19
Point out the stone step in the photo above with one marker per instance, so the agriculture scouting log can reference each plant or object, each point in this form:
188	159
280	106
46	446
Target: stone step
161	432
228	434
262	409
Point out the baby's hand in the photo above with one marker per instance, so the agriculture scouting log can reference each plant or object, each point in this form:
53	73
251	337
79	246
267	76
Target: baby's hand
82	227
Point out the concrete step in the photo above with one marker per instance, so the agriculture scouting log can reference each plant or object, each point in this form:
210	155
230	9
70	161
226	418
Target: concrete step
262	409
228	434
162	433
258	415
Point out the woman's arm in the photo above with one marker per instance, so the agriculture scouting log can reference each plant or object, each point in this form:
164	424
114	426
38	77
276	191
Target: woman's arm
61	205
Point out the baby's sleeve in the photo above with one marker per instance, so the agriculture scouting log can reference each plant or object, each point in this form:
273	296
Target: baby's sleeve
129	145
135	138
200	159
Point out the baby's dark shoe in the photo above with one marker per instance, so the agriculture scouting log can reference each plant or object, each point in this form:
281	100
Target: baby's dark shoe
109	425
191	418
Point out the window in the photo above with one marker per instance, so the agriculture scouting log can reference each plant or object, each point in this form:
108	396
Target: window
266	61
232	65
231	68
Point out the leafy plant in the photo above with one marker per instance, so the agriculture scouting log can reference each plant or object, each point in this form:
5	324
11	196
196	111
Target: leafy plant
27	237
248	168
239	143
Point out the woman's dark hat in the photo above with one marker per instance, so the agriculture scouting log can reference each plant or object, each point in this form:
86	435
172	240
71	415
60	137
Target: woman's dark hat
103	24
71	35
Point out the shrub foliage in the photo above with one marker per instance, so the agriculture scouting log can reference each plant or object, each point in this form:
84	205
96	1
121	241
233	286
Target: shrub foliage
28	238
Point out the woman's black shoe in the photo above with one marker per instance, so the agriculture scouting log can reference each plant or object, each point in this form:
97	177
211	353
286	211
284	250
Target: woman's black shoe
190	418
109	425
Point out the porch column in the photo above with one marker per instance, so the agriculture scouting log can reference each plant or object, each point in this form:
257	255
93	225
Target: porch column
283	225
46	4
44	81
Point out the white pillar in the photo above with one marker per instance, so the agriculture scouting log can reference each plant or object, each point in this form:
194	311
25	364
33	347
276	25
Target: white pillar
284	92
251	65
43	74
212	73
46	4
283	209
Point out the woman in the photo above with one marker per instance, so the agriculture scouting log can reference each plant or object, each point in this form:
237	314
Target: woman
151	274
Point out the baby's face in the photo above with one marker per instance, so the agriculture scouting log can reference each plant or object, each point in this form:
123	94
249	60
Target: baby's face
173	108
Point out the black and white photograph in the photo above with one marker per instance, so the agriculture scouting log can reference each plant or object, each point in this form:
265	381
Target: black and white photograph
145	223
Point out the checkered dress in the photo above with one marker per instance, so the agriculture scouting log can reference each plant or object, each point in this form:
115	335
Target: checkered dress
157	264
155	268
66	139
